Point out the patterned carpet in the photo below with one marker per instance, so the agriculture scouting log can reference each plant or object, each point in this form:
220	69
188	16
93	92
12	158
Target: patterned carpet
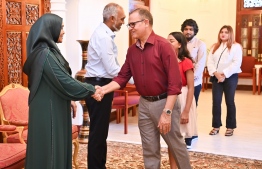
129	156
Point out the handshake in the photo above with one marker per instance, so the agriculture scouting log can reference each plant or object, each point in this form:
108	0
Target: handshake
99	93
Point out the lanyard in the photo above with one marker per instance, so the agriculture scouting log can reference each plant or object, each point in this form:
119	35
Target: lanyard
220	57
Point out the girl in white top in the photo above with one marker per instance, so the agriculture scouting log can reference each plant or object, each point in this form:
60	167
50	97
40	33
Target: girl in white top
223	65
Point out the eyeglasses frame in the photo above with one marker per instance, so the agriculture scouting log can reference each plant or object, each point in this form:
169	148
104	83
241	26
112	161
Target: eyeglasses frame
133	23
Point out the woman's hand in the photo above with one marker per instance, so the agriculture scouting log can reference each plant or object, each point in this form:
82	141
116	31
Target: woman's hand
184	117
73	108
220	77
99	93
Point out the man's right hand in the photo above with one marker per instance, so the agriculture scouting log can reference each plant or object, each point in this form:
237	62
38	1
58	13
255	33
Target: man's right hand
164	123
99	93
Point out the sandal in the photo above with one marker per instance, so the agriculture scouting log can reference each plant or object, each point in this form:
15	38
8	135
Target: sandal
214	131
229	132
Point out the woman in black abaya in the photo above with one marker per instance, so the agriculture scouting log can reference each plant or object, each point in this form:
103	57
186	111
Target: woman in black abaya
49	143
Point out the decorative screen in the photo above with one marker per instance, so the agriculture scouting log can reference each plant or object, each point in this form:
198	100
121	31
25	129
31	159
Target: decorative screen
252	3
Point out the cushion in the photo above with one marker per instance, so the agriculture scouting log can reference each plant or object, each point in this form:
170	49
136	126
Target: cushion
248	63
15	105
245	75
14	138
120	100
7	128
133	93
12	155
18	122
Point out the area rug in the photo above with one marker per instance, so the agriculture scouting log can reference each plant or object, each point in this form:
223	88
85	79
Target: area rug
129	156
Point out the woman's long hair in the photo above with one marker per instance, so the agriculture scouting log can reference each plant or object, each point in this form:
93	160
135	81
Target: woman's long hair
182	51
230	41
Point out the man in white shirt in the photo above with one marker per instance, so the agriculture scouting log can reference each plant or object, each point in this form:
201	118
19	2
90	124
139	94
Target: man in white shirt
197	50
102	67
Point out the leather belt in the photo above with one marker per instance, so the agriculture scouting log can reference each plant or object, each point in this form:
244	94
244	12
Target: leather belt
155	98
99	79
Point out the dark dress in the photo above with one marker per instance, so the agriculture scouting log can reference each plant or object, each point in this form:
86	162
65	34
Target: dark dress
49	142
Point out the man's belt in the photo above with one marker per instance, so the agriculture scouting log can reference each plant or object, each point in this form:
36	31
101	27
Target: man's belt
99	79
155	98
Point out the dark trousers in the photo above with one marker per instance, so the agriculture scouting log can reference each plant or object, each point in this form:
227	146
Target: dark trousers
99	113
228	87
197	90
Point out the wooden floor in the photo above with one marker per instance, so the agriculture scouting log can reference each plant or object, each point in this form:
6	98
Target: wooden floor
246	141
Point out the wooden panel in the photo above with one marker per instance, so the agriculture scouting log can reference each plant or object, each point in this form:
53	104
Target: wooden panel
248	30
14	56
2	59
16	19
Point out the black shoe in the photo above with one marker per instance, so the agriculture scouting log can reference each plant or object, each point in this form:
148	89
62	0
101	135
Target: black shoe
195	138
188	142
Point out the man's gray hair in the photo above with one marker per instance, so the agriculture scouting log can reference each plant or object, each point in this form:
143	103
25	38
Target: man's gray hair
110	9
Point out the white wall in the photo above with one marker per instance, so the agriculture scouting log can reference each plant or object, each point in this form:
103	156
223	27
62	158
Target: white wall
83	16
58	7
73	49
210	16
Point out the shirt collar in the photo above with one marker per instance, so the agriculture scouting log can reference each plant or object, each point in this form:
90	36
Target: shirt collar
108	30
150	39
192	40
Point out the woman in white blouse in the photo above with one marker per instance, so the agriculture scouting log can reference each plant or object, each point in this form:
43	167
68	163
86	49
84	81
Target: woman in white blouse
223	65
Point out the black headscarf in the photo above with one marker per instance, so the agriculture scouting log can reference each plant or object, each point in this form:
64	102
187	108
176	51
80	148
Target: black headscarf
42	39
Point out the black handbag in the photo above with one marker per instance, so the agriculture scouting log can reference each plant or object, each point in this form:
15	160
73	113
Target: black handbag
212	79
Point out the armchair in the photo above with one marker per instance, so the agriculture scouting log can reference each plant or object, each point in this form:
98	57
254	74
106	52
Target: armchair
131	88
76	145
14	156
122	100
14	111
248	70
205	79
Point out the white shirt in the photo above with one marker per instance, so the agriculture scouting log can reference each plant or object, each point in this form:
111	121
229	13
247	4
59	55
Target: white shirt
198	52
102	54
230	60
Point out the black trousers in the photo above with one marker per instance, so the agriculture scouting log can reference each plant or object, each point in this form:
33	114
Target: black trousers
228	87
99	113
197	90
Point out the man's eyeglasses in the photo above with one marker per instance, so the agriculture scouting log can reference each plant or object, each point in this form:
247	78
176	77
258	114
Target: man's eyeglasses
133	24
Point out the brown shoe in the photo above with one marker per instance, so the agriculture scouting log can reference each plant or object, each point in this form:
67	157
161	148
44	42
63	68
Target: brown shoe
214	131
229	132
